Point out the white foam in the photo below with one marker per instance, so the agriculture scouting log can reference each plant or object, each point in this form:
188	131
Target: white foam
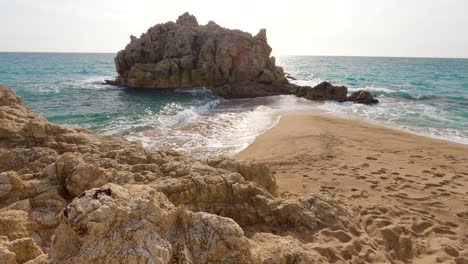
225	127
193	91
222	127
170	115
395	113
374	89
313	82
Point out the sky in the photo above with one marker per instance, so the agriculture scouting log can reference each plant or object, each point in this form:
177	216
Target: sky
402	28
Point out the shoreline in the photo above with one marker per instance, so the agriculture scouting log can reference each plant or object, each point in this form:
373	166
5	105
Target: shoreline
357	119
378	123
395	185
374	124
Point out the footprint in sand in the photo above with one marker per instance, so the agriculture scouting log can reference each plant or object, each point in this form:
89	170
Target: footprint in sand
450	224
451	251
443	230
340	235
421	226
463	215
381	171
432	185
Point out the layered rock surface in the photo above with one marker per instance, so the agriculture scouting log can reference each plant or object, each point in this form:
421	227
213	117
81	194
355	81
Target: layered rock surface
72	196
186	54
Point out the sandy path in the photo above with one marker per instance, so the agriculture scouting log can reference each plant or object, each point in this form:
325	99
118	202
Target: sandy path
407	195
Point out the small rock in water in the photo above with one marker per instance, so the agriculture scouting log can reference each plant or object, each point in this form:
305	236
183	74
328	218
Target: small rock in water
363	97
322	91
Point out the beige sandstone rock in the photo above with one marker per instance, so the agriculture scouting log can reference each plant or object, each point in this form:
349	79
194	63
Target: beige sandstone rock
135	224
127	204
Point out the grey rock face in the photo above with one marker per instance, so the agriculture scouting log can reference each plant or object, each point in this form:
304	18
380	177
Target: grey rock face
185	54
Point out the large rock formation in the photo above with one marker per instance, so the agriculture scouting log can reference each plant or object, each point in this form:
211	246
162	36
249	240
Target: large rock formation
185	54
72	196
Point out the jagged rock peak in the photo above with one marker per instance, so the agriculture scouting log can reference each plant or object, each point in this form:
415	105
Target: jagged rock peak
262	34
185	54
187	20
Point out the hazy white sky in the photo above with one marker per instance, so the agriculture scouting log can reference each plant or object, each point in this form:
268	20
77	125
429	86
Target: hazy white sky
429	28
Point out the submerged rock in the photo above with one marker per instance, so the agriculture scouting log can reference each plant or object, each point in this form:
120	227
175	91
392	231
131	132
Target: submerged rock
185	54
72	196
322	91
363	97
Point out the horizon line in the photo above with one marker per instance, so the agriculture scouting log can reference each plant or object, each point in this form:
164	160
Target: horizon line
292	55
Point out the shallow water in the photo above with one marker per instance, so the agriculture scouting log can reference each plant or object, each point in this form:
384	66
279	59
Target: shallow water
425	96
422	95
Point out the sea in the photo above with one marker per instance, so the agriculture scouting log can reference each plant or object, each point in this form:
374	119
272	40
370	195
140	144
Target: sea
425	96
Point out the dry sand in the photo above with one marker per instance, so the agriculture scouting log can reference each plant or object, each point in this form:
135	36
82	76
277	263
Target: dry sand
407	195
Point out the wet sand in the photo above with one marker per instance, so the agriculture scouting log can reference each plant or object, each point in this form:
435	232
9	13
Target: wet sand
406	195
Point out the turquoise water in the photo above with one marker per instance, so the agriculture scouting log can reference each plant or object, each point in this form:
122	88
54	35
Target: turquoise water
67	89
424	96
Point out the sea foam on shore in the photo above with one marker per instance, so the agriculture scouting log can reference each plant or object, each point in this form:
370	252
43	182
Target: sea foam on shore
423	96
224	128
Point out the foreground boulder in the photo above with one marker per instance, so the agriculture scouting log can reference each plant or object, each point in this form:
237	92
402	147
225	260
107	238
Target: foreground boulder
186	54
72	196
322	91
135	224
363	97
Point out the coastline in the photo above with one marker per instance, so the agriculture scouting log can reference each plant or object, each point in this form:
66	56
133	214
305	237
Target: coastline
394	184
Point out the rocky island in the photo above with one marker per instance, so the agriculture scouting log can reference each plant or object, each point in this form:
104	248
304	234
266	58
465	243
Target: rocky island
186	54
232	63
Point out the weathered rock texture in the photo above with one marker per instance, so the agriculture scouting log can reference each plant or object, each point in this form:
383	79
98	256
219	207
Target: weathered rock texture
363	97
71	196
185	54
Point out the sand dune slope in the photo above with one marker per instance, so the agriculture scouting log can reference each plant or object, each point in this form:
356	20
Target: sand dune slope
406	195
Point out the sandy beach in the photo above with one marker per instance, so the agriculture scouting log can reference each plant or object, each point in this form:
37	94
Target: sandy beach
406	195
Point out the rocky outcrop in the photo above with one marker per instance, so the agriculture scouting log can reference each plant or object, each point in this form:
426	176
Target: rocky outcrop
136	224
185	54
363	97
327	91
72	196
322	91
